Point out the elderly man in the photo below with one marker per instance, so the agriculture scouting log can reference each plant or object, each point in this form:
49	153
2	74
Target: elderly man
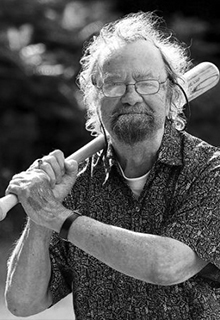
134	234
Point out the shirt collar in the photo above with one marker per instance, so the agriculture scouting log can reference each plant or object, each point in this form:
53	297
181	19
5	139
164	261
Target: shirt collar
170	151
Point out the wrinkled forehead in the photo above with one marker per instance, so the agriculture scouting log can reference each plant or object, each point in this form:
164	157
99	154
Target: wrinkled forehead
140	56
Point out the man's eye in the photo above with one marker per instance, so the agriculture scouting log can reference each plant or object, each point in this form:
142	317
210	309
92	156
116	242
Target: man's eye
113	85
116	83
146	84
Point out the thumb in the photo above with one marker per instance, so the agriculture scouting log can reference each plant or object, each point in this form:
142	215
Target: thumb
71	167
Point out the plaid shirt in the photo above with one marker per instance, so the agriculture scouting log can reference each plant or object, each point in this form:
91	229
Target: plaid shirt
181	199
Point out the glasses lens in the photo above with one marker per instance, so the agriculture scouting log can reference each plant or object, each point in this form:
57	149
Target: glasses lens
147	86
114	89
142	87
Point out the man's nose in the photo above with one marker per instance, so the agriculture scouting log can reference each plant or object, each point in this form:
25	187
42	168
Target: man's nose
131	96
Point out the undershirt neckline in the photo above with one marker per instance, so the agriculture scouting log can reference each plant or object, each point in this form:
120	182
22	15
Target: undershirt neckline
136	184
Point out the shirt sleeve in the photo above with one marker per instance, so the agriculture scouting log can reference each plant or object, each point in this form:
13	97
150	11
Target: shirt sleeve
195	216
61	274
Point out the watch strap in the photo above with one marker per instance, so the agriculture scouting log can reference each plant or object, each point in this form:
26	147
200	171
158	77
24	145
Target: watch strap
64	230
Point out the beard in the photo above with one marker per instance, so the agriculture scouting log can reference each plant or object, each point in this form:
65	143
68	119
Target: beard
133	127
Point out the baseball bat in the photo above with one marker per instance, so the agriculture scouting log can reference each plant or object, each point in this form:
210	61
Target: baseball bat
195	82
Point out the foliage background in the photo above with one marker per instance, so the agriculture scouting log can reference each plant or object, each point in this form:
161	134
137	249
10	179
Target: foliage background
41	109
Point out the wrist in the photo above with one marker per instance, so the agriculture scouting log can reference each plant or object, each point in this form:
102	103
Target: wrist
64	230
37	229
39	234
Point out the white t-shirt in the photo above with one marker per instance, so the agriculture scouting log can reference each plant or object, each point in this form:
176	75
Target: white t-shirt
136	184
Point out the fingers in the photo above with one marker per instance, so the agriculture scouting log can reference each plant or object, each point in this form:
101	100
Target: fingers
13	186
56	173
21	183
53	166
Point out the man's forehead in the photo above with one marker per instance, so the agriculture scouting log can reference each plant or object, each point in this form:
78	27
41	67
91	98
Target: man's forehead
120	74
141	56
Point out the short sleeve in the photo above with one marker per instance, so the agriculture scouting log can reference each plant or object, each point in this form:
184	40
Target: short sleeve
195	216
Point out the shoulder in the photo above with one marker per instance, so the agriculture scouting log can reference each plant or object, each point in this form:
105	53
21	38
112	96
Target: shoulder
199	152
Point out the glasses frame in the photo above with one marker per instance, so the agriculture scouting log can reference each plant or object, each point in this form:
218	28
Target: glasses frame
133	84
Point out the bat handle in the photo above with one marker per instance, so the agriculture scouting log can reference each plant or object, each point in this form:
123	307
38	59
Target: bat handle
6	204
9	201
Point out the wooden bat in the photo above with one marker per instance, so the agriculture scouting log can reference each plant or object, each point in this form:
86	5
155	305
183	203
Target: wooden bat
198	80
195	82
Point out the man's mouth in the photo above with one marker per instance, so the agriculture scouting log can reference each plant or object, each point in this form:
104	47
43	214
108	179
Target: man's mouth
132	113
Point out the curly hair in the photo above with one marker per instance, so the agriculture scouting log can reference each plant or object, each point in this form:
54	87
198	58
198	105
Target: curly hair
141	25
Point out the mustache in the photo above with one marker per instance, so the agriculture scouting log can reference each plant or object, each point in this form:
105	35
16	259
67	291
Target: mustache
131	110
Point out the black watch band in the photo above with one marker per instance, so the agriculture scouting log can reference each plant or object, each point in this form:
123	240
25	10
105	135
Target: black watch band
64	230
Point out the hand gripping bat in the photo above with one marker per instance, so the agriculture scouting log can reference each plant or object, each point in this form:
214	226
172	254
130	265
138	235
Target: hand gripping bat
195	82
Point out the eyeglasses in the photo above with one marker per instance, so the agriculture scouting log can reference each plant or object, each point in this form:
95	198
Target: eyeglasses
118	89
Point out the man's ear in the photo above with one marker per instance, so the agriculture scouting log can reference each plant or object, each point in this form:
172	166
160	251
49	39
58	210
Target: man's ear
170	98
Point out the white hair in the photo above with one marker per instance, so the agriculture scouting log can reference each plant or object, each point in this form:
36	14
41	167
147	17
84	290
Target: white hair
128	29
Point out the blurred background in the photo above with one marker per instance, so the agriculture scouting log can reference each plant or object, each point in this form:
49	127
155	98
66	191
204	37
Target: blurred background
41	109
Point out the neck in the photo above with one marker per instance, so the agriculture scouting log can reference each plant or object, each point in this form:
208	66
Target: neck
136	160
